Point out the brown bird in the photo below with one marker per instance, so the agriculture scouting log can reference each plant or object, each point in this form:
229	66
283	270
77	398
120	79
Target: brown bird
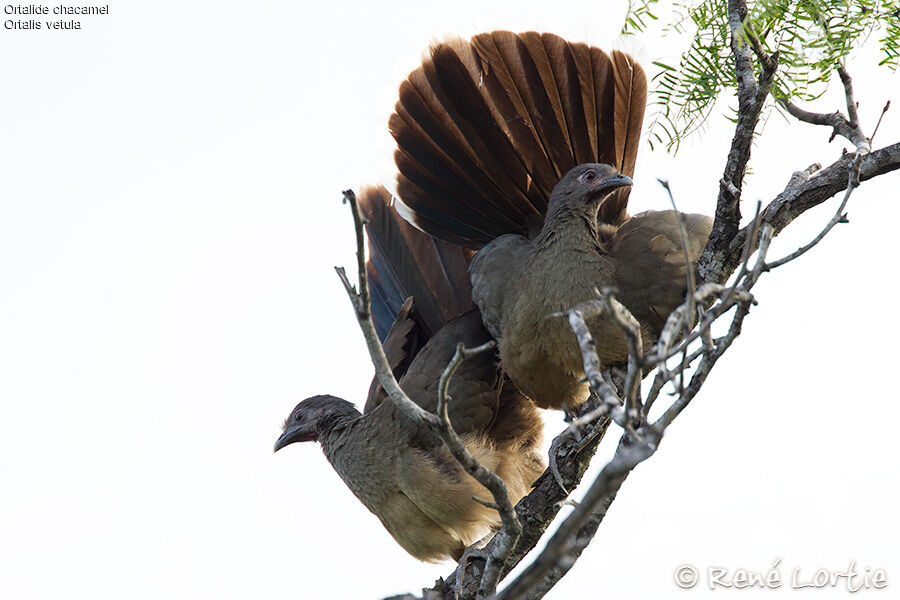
401	471
522	145
518	283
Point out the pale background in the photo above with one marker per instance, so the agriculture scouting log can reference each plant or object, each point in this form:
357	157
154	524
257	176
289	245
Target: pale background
170	179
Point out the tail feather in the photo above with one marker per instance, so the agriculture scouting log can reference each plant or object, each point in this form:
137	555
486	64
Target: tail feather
433	153
405	262
486	128
460	128
629	82
385	299
505	64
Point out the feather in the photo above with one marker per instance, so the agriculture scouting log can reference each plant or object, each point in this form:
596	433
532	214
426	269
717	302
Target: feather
486	128
405	262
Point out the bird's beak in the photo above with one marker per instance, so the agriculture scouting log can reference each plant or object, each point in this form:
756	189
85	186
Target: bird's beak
294	433
615	181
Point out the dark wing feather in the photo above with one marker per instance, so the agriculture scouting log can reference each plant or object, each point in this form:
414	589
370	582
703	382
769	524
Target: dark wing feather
401	344
486	128
405	262
475	384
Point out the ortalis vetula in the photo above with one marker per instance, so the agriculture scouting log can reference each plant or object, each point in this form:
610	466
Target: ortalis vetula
401	471
522	145
519	282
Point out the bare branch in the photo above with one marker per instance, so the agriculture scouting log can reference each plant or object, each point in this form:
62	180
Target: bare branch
887	105
687	322
360	301
682	232
538	509
839	217
591	362
511	528
853	119
801	194
761	55
607	305
846	127
840	126
561	552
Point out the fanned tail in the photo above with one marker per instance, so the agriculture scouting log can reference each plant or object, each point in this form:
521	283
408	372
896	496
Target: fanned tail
485	129
404	262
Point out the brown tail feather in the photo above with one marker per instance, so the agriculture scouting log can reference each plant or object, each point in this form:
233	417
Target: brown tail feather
629	82
405	262
486	128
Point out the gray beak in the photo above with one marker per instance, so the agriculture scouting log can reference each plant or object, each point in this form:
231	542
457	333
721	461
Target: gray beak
294	433
616	181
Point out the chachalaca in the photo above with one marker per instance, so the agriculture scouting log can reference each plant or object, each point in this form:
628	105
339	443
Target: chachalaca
519	283
522	145
399	470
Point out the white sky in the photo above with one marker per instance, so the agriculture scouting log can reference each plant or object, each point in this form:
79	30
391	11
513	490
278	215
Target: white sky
170	178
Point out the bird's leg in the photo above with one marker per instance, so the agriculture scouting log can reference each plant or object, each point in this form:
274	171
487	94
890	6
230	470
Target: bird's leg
555	445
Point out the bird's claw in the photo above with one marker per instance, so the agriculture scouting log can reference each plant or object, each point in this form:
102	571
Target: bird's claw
554	468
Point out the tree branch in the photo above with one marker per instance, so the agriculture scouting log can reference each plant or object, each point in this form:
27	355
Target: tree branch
803	193
839	217
841	126
752	95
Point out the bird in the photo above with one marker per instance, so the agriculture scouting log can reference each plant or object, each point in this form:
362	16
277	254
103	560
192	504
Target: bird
397	468
520	283
521	147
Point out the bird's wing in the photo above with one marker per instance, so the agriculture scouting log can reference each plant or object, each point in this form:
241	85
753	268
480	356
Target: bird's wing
491	270
401	344
405	262
486	128
417	283
473	388
651	274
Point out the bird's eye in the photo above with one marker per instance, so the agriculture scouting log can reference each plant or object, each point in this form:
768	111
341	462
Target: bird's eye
298	417
588	176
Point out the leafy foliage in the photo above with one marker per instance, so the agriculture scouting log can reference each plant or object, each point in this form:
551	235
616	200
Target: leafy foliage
811	37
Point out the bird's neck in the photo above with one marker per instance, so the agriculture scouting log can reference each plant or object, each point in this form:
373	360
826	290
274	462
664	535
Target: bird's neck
336	426
349	446
568	224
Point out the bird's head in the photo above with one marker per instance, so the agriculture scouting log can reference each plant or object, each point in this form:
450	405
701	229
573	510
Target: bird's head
314	417
588	185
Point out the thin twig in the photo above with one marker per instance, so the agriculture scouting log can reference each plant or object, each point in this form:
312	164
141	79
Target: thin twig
848	93
682	232
764	59
887	105
687	323
846	127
